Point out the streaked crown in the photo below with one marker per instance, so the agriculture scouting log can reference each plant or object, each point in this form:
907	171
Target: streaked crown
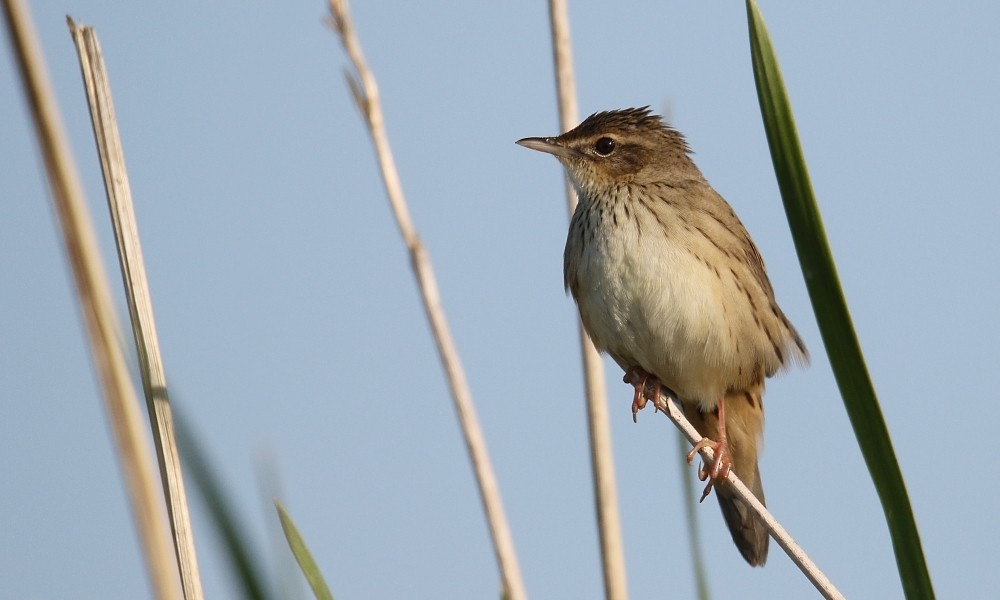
617	147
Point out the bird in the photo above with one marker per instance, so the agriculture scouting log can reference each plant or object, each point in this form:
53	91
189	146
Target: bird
669	283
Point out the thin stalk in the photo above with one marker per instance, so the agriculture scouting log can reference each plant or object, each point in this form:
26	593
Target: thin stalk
365	91
598	426
133	270
96	307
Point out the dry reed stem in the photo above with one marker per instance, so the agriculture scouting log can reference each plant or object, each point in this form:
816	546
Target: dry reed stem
669	407
598	427
365	91
154	382
96	307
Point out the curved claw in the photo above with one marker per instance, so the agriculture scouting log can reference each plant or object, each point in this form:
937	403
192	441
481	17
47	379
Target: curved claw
722	464
647	387
638	401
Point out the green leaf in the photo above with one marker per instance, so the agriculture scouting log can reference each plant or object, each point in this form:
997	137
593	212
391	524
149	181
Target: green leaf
222	513
303	556
831	311
694	539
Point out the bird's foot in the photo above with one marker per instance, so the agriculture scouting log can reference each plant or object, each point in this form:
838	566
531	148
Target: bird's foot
718	471
647	388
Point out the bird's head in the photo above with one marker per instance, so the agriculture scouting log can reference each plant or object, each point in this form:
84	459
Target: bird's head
619	147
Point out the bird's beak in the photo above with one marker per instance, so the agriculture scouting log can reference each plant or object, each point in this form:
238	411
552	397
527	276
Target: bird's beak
549	145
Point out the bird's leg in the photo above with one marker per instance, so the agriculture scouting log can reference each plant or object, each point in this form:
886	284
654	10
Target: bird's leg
722	462
647	387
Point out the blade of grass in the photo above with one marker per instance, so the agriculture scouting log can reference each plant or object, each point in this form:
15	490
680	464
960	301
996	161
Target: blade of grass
223	515
831	310
287	582
694	540
302	555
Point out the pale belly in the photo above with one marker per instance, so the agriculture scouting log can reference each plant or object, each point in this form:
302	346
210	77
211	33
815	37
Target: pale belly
653	304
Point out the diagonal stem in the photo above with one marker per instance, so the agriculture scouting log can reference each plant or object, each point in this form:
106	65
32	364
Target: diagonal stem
668	405
154	381
365	92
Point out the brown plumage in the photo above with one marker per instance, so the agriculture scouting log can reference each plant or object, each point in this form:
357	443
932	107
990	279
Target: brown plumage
669	283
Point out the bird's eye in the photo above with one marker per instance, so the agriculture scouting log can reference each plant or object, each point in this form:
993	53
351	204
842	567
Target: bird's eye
604	146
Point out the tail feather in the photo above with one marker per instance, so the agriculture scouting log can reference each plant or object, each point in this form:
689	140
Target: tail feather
749	534
744	426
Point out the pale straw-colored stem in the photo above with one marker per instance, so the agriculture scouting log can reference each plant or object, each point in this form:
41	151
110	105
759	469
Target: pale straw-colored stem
598	427
669	407
154	382
365	92
96	307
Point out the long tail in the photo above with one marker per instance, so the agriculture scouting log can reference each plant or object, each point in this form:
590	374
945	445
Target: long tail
744	426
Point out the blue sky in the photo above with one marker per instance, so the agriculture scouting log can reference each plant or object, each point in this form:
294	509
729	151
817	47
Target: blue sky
295	342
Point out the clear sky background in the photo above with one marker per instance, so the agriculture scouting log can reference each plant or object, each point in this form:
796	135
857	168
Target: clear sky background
295	342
